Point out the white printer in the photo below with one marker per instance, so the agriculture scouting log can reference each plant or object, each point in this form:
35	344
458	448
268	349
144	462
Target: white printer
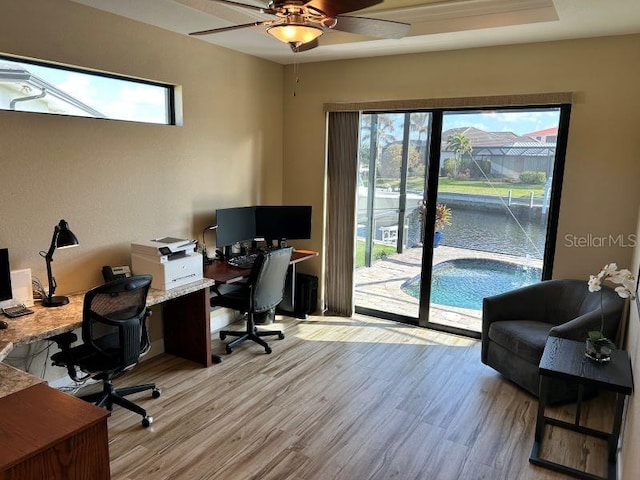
172	262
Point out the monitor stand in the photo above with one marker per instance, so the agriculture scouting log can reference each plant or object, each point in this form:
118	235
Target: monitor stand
271	244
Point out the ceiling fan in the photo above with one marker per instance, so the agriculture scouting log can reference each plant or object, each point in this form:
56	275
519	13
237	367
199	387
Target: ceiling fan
301	22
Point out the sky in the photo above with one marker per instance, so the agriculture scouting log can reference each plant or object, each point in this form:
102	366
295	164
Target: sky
115	98
518	122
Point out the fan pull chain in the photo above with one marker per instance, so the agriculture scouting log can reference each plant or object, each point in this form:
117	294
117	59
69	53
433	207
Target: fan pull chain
295	73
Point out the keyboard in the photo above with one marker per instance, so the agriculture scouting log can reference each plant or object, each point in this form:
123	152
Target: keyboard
16	311
243	261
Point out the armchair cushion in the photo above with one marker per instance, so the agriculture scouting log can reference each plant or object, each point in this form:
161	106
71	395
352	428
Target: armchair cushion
525	338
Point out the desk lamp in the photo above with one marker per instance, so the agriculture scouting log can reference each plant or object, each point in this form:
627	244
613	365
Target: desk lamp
62	238
205	258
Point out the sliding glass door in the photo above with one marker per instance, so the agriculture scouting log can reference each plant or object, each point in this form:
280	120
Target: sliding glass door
454	206
391	188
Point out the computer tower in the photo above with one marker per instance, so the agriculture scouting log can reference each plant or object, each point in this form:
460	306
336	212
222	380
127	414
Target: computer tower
306	295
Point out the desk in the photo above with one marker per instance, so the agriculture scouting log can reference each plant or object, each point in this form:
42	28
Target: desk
52	435
185	314
223	273
47	434
565	359
13	380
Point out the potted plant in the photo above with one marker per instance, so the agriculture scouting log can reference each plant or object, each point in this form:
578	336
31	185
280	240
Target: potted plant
598	346
443	218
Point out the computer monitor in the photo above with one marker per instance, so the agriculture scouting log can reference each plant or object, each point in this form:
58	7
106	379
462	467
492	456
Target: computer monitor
5	275
283	222
235	225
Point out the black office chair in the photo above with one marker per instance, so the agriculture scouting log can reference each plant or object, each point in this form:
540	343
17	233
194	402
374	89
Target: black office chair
262	292
114	336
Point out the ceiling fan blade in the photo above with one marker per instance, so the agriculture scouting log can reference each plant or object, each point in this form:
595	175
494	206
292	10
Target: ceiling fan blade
227	29
304	46
336	7
244	5
372	27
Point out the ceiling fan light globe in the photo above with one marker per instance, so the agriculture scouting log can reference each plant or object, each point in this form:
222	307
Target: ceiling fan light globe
293	33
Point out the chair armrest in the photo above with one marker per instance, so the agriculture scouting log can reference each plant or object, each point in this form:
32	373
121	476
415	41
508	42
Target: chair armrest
608	319
577	328
64	341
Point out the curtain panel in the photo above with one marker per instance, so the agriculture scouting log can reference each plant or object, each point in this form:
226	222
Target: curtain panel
342	175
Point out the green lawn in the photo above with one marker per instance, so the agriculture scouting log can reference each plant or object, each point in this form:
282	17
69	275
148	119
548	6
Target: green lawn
379	250
471	187
481	187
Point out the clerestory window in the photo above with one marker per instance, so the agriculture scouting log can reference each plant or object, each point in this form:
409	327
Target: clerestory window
40	87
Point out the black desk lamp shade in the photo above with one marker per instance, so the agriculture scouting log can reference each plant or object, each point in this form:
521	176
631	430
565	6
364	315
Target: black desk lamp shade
62	238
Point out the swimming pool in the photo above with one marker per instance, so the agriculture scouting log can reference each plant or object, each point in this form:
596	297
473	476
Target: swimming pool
466	281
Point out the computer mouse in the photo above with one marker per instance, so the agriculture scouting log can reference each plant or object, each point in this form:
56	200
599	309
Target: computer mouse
3	324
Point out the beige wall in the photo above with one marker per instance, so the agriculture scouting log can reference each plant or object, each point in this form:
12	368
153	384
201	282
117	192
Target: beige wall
600	191
600	194
630	465
118	181
114	181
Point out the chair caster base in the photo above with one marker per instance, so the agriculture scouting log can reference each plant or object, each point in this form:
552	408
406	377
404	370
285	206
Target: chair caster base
147	421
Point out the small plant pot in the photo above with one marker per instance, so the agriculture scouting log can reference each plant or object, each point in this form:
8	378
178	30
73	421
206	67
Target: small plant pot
437	238
600	355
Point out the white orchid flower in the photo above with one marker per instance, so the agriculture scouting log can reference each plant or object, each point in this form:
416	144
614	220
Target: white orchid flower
623	292
622	277
594	283
629	284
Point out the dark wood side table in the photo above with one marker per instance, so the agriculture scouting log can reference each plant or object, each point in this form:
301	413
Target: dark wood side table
565	359
47	434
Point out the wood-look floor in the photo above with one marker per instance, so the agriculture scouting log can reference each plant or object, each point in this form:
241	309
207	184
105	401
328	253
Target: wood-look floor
339	398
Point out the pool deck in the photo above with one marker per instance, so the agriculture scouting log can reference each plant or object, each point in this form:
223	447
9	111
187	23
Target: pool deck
378	287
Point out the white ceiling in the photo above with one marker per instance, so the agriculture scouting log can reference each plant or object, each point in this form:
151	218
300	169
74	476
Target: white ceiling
435	25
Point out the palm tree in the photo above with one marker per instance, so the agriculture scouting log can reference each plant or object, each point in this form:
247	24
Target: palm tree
384	129
383	136
420	122
459	144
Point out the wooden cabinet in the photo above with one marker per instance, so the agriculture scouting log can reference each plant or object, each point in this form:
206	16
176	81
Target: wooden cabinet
47	434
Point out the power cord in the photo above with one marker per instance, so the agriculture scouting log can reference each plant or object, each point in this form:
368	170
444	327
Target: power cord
38	288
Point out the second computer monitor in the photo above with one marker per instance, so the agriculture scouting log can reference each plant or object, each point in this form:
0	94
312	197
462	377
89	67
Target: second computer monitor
283	222
235	225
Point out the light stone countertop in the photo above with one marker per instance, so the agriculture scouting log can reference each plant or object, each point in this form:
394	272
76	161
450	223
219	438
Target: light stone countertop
13	380
47	322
